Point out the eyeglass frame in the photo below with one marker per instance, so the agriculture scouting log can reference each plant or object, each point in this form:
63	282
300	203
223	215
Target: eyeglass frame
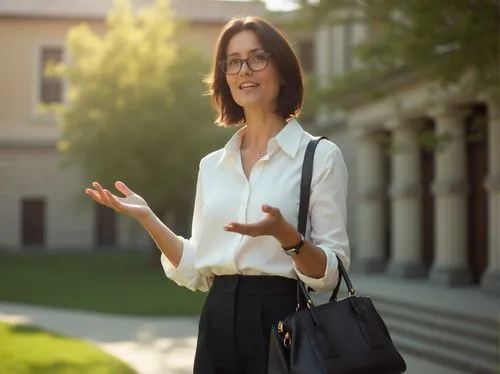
245	60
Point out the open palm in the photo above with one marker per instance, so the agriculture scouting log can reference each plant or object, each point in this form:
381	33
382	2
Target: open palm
270	224
131	204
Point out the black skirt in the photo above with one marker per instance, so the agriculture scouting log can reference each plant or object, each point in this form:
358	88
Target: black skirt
235	323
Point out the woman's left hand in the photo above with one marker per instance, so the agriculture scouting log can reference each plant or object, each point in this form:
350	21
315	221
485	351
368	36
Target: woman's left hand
272	224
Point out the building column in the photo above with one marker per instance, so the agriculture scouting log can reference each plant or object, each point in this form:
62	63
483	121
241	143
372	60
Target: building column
369	256
450	190
491	279
406	233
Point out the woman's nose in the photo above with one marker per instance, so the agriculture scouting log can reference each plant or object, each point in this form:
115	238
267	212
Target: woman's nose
245	70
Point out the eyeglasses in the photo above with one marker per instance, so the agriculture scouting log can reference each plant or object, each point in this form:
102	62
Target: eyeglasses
256	62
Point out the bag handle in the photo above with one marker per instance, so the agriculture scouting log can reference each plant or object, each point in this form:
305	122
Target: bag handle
305	195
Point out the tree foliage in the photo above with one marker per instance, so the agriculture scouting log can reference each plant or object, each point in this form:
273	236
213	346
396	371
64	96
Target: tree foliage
448	40
136	110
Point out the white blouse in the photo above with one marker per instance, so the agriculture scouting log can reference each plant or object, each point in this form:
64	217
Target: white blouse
224	194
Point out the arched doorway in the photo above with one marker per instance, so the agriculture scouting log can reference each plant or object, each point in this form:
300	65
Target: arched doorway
427	197
477	202
385	141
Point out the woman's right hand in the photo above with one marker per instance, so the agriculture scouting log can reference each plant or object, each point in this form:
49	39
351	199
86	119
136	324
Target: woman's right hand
131	204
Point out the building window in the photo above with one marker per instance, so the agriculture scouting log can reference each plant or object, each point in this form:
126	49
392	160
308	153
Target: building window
51	88
33	222
348	46
306	55
105	227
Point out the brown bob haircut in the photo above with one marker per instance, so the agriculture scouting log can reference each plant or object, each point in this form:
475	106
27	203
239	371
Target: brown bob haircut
289	103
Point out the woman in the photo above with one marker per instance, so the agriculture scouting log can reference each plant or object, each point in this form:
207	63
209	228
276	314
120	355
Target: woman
245	249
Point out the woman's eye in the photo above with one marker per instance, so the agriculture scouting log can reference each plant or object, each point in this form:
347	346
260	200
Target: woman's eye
260	57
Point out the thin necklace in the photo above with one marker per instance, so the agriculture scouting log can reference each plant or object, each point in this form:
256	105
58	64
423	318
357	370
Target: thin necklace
258	153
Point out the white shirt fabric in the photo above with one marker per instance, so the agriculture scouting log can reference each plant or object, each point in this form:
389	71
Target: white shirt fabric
224	194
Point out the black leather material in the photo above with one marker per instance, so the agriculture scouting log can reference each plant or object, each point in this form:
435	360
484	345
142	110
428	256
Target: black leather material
345	336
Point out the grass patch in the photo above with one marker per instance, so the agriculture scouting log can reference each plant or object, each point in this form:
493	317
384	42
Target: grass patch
110	282
30	350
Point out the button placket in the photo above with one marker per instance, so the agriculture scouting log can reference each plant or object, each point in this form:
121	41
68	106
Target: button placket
254	178
256	172
244	203
239	166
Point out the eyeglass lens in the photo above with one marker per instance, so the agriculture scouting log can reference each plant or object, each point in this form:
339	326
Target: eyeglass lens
256	62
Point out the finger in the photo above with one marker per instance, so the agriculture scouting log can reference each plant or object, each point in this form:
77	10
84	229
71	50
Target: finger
115	204
105	199
123	188
270	210
94	195
229	227
248	229
98	187
234	227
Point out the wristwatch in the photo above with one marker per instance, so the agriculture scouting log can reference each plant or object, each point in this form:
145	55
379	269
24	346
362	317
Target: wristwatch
294	250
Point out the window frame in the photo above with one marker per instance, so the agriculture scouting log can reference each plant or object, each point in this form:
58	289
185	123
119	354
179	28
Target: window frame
38	76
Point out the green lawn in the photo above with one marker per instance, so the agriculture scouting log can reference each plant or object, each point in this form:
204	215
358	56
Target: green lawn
113	282
29	350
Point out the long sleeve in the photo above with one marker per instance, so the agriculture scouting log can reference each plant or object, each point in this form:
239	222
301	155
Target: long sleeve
327	212
186	274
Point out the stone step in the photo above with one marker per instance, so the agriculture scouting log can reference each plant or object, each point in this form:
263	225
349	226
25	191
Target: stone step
450	323
477	354
462	341
443	356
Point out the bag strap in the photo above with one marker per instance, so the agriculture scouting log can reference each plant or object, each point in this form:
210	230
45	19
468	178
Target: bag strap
305	183
305	195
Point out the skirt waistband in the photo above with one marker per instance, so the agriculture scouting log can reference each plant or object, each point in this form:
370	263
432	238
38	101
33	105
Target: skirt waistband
254	284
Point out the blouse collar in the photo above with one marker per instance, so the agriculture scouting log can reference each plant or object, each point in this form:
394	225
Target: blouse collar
288	139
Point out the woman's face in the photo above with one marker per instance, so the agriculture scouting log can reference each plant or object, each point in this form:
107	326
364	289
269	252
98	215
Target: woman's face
252	89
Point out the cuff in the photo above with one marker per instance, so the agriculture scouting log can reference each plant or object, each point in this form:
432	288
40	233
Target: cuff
330	278
184	272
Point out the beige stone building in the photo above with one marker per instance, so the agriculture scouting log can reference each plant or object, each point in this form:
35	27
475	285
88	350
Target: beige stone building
424	226
415	213
43	206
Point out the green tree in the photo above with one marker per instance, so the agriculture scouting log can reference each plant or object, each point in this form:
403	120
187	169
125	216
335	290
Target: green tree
446	40
136	110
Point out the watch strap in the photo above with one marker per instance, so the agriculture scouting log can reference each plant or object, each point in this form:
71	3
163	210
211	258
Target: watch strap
295	248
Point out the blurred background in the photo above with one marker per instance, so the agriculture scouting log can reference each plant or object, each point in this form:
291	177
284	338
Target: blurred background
113	90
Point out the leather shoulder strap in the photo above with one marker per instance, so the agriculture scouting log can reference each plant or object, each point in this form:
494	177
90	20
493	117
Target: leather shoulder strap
305	183
305	195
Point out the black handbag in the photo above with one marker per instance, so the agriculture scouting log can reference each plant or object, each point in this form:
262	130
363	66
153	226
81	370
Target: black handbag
345	336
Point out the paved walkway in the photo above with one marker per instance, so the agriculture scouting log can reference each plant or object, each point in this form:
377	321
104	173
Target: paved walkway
149	345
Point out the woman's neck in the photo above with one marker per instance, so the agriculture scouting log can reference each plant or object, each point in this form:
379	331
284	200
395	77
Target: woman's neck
260	128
